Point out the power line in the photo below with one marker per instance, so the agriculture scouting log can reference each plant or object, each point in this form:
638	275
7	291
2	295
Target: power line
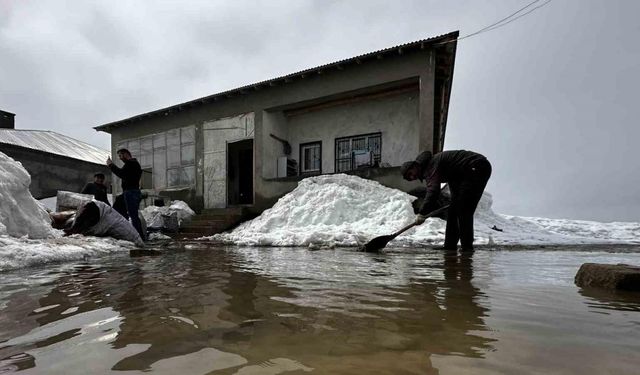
486	28
504	21
522	15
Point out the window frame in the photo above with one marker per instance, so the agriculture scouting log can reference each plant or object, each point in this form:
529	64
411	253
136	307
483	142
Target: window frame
337	159
180	167
301	169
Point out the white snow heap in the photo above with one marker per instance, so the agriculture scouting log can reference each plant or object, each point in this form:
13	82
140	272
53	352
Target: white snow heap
328	210
342	210
153	215
20	213
26	235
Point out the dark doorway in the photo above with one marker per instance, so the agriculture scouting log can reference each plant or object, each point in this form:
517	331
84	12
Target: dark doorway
240	172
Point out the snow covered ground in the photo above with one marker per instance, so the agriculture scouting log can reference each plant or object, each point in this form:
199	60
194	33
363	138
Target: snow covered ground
26	235
343	210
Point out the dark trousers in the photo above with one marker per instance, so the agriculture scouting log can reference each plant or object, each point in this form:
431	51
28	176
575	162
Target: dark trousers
465	195
120	206
132	201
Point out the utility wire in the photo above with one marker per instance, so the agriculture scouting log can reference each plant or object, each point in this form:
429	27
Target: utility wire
504	21
486	28
522	15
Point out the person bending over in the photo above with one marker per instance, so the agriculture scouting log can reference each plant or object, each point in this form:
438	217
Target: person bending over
467	174
98	219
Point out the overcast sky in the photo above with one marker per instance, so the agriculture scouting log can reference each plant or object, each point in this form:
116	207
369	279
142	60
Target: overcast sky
552	98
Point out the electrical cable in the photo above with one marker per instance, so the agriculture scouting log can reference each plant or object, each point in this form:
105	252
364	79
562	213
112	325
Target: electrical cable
522	15
502	22
498	22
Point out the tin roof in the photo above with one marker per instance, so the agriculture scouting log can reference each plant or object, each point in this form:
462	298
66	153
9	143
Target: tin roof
419	44
54	143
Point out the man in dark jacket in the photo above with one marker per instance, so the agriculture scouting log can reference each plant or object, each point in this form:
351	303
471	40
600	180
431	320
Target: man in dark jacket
467	174
97	188
130	174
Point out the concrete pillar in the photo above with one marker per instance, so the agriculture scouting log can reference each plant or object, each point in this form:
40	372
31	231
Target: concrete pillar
426	111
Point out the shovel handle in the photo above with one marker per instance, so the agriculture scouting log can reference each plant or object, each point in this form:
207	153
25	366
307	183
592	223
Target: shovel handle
430	214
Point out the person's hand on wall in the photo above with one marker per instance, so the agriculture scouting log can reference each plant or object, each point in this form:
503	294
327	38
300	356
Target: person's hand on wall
109	162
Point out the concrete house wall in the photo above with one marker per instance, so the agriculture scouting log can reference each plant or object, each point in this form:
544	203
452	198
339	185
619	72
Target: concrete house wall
394	94
50	172
396	117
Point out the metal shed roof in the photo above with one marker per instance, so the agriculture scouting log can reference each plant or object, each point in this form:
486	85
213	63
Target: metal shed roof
54	143
444	39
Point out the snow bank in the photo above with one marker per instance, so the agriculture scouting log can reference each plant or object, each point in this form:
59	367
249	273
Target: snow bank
329	210
20	213
26	235
24	252
342	210
153	215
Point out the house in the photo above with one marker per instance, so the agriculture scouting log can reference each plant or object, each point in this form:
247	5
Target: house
54	161
251	145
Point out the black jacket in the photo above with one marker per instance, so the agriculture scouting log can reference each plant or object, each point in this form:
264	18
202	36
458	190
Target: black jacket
130	174
446	166
99	192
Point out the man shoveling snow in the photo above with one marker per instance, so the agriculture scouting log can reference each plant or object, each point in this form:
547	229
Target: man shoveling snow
467	174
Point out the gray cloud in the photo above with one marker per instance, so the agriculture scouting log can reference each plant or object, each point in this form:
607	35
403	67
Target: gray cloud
550	99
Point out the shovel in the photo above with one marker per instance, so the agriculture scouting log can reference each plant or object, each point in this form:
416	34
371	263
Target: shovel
380	242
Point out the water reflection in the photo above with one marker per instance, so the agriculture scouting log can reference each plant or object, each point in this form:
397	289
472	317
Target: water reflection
604	300
250	311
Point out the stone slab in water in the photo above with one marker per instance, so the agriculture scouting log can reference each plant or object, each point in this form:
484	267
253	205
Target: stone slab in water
610	276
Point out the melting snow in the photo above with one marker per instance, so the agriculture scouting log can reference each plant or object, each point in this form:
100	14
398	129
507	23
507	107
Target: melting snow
343	210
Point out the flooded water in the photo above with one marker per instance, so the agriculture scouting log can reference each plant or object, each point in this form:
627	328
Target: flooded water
226	310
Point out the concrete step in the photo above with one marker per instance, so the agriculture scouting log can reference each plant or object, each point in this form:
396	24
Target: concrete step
210	222
216	217
223	211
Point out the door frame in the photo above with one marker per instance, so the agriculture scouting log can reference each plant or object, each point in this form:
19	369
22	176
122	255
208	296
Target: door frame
253	171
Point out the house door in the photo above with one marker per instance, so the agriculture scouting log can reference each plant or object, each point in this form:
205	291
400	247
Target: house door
240	172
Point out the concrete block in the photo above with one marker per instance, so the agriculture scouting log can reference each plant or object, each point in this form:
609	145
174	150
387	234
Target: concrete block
610	276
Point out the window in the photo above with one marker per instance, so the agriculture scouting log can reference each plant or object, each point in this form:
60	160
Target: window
311	157
181	157
359	150
167	159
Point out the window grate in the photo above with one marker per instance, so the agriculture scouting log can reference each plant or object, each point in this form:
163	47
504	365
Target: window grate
348	147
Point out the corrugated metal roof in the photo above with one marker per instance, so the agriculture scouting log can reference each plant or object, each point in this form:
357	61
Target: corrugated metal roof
54	143
419	44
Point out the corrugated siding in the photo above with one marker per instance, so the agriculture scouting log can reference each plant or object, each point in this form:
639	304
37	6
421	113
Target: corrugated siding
54	143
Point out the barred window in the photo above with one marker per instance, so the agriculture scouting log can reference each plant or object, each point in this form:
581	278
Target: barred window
358	151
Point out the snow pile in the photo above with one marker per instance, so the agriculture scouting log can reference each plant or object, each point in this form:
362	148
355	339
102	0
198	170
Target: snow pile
23	252
153	215
20	213
26	235
342	210
329	210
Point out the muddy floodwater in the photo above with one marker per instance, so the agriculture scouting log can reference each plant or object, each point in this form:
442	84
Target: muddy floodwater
225	310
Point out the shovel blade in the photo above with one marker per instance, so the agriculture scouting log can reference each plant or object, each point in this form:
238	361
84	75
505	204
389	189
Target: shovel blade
377	244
